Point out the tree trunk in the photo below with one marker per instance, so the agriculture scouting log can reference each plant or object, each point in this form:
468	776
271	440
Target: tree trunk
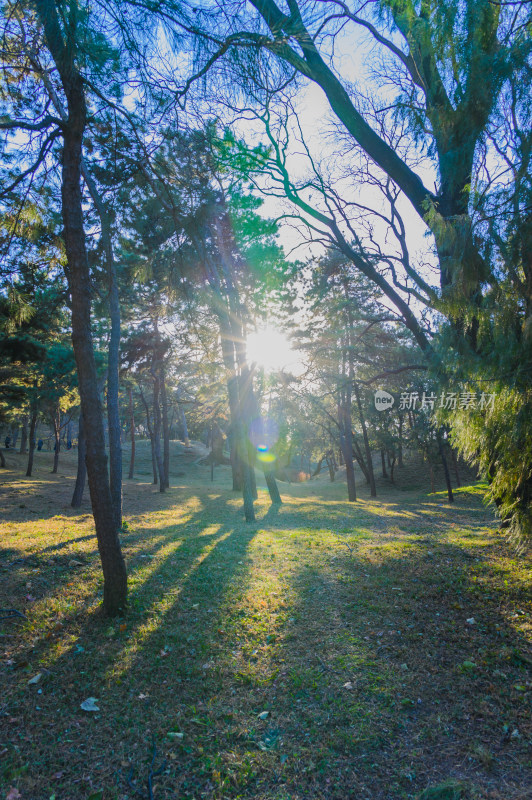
346	445
154	461
383	464
445	469
318	468
369	459
400	448
113	366
77	273
360	460
132	434
183	418
113	408
151	435
3	464
392	468
33	429
24	437
157	430
330	464
236	466
271	483
79	488
57	440
432	484
455	467
166	431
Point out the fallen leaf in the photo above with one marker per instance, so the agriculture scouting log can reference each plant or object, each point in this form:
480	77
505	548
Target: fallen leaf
13	794
35	679
264	715
90	704
348	685
175	735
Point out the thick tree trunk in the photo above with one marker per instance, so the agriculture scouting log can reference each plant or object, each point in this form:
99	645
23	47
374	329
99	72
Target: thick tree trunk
33	430
132	434
77	273
79	488
166	431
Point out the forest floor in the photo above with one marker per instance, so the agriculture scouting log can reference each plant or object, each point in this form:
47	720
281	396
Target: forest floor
376	650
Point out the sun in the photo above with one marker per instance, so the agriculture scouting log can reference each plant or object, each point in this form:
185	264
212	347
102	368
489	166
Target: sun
270	349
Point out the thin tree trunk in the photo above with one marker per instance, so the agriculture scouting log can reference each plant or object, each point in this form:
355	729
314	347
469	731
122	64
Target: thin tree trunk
166	431
445	469
346	447
113	408
157	430
79	488
360	460
154	461
318	467
33	428
113	365
151	435
3	464
330	464
271	483
24	437
77	273
183	418
383	464
432	484
369	459
392	468
455	467
57	440
400	448
132	434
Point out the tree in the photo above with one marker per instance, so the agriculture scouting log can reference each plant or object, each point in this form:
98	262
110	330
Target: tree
61	35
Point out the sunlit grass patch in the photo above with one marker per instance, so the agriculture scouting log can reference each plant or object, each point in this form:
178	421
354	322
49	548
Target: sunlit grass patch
326	650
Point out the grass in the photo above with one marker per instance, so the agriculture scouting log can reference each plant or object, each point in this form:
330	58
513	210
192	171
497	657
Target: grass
349	624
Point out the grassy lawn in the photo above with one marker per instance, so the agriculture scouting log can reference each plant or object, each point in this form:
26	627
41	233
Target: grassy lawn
330	650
